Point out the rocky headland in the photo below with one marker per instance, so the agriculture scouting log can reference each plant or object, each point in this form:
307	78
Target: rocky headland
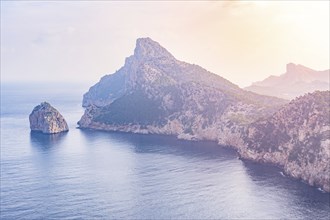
154	93
296	138
46	119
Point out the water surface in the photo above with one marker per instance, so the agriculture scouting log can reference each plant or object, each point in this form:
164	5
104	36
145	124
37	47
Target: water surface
93	174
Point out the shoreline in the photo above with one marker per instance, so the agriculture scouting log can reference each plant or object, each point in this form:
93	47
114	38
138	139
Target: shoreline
235	149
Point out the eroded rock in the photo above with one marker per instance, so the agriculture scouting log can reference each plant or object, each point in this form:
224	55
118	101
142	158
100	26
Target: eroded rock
46	119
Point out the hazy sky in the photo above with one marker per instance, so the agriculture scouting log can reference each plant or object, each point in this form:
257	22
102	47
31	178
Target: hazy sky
241	41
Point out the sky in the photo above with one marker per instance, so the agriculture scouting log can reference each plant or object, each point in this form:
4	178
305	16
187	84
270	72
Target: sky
80	41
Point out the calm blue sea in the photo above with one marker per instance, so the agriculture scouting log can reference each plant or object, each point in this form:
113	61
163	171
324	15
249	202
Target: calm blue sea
86	174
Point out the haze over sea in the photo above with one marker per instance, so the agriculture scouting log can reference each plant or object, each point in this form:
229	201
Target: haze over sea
93	174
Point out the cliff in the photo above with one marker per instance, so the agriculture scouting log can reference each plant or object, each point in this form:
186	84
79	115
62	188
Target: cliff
154	93
297	138
46	119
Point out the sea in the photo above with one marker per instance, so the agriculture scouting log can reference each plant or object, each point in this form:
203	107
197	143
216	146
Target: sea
86	174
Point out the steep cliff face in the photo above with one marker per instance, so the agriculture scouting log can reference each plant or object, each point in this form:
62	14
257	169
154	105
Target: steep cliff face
297	138
155	93
47	119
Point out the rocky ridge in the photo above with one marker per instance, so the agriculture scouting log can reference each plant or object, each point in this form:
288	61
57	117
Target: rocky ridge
46	119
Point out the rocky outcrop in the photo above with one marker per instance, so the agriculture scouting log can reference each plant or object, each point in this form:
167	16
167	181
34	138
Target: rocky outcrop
46	119
297	138
296	81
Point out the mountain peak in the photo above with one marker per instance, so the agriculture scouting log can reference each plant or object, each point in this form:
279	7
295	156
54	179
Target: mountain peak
297	68
290	67
296	81
148	48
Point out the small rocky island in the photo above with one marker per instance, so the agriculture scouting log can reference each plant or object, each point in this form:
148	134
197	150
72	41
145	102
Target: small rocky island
46	119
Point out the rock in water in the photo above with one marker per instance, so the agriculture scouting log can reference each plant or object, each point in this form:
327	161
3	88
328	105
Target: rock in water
46	119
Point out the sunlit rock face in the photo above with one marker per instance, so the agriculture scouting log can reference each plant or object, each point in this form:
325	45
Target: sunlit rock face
297	138
156	93
296	81
46	119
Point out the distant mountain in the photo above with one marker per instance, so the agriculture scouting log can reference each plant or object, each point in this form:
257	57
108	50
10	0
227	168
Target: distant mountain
297	81
155	93
297	138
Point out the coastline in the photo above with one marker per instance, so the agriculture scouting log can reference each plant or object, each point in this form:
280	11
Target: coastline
237	149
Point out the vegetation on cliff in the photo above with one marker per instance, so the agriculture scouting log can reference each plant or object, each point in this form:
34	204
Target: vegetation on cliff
297	137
